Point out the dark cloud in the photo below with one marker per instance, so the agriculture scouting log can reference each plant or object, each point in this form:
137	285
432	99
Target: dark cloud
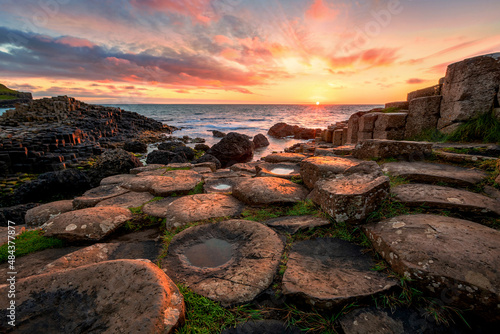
413	81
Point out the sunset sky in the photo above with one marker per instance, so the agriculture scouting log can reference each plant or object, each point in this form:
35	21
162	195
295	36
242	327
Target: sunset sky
239	51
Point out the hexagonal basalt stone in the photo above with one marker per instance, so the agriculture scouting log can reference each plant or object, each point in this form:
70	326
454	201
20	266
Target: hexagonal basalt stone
282	170
267	190
230	262
117	179
128	200
444	256
330	272
201	206
284	157
91	224
351	198
175	181
96	195
122	296
294	224
39	215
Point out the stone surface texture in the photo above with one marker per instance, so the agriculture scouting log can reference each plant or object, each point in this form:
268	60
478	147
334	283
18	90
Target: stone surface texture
93	196
267	190
378	148
128	200
290	224
40	214
284	157
423	114
232	149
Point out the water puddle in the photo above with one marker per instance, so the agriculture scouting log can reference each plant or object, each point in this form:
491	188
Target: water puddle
210	253
282	171
222	186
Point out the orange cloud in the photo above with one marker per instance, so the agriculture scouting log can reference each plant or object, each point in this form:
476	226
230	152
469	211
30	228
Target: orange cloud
372	58
221	39
320	11
195	9
230	54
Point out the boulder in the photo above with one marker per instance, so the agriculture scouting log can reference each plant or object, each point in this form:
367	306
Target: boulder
209	158
65	183
114	162
470	89
127	200
91	224
188	152
198	207
96	195
390	121
294	224
260	141
423	115
281	130
351	198
39	215
438	197
170	145
230	262
327	273
267	190
135	147
218	134
15	213
201	147
284	157
425	248
108	296
232	149
425	92
325	167
405	150
424	172
165	157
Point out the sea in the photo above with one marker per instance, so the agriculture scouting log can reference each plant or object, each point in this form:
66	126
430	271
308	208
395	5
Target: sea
198	120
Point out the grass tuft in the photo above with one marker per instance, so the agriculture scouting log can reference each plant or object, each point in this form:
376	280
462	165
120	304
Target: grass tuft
30	242
483	128
303	208
198	189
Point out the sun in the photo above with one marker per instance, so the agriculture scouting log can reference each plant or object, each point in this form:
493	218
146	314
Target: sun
317	103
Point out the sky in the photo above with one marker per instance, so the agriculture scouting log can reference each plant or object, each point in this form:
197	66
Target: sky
239	51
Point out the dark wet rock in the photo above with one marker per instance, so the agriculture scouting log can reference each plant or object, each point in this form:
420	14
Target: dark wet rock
218	134
188	152
326	273
127	200
262	327
193	208
403	150
41	214
66	183
165	157
282	170
15	213
170	145
158	208
230	262
281	130
294	224
447	198
107	296
93	196
201	147
260	141
101	252
317	168
209	158
267	190
351	198
432	173
399	321
113	162
135	147
175	181
284	157
91	224
425	248
232	149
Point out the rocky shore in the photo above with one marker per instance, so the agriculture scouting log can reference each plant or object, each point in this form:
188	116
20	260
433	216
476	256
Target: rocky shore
360	233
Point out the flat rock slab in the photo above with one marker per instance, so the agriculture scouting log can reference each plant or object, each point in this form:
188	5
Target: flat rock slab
230	262
445	198
423	172
285	170
193	208
96	253
262	327
117	179
292	225
122	296
400	321
381	148
175	181
221	185
158	208
444	255
128	200
326	167
284	157
91	224
147	168
39	215
96	195
351	198
267	190
327	273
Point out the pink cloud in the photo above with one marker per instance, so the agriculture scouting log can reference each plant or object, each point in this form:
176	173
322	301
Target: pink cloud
195	9
372	58
414	81
221	39
320	11
75	42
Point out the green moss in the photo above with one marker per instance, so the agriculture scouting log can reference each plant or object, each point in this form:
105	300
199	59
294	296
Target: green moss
391	110
297	180
30	242
198	189
175	168
430	135
315	322
7	97
275	211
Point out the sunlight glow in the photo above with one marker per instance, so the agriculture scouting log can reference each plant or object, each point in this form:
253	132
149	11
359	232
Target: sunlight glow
317	103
